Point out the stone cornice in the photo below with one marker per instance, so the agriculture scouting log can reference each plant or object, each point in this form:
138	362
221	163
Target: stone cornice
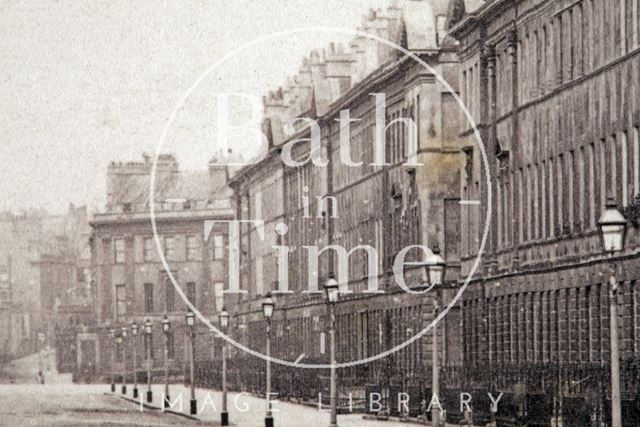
188	215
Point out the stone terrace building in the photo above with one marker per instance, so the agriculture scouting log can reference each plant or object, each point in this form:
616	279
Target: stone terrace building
387	208
42	258
553	87
131	284
62	267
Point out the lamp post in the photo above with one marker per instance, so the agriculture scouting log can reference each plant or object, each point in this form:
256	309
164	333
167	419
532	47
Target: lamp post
435	267
332	293
134	337
267	311
124	360
40	346
112	335
147	333
191	323
166	326
118	345
613	226
223	317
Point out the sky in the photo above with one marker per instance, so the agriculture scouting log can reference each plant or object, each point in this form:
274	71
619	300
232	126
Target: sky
83	83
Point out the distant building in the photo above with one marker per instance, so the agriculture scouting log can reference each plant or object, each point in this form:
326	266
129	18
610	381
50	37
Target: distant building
71	322
19	290
14	323
43	257
130	283
63	268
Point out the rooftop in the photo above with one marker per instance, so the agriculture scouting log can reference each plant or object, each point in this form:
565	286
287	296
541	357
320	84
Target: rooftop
129	187
327	74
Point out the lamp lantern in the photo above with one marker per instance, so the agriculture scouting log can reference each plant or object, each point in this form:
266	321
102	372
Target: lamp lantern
166	325
332	289
435	267
223	317
613	227
267	307
191	317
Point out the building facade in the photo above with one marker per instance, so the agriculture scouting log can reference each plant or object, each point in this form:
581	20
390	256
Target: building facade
61	270
43	258
373	210
131	283
19	293
549	85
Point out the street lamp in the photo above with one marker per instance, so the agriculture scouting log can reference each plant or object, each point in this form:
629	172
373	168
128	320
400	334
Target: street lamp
267	311
190	323
124	360
134	334
119	345
435	268
147	333
166	326
332	293
112	335
40	346
613	227
223	317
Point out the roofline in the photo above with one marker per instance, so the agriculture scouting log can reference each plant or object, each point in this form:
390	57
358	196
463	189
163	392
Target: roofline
187	215
478	15
383	72
234	181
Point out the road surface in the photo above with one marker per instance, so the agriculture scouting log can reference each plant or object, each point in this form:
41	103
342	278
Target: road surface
249	411
60	403
74	405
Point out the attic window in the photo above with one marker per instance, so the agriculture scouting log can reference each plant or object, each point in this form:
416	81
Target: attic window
186	205
441	28
126	207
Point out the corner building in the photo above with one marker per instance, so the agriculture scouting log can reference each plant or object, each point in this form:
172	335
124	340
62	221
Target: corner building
553	87
130	282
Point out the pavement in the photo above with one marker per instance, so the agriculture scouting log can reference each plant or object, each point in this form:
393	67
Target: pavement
248	411
75	405
59	402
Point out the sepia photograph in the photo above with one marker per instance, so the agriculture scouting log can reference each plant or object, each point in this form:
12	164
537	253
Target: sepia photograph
305	213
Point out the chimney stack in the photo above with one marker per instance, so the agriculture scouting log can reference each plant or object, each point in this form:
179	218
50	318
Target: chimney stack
338	70
217	178
321	90
275	111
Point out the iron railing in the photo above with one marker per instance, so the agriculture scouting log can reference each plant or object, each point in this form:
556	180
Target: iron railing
533	393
